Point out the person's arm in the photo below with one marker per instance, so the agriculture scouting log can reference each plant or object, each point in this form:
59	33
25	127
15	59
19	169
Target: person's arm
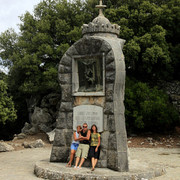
87	136
99	142
75	137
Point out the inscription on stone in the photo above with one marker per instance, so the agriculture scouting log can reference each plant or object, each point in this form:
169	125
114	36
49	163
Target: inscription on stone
90	114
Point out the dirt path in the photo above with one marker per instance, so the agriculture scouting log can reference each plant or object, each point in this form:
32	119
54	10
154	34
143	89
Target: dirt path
19	165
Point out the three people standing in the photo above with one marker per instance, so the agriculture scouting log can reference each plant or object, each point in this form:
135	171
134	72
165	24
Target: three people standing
83	138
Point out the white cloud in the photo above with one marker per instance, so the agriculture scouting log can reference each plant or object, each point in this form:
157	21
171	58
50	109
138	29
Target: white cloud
10	10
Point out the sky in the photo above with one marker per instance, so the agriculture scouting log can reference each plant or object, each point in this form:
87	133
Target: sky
10	10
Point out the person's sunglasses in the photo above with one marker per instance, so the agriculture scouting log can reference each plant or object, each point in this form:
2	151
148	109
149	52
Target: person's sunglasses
84	126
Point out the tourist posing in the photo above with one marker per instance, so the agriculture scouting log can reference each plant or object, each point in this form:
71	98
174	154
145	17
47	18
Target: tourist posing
82	151
74	145
94	150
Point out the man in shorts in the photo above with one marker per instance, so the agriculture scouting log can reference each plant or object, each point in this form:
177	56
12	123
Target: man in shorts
82	151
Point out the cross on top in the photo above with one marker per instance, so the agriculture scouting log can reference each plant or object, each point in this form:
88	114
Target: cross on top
100	7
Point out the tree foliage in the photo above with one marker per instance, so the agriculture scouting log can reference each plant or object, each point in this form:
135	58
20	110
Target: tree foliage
33	56
148	108
151	29
7	110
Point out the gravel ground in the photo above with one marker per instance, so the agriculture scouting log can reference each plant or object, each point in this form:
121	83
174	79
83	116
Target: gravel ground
19	165
169	158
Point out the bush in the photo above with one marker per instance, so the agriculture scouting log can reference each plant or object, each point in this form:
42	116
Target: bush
7	110
148	109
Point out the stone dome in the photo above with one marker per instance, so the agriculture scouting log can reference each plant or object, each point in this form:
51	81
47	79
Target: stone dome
100	24
101	19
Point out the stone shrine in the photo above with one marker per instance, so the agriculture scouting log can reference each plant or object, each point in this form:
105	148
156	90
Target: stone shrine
92	80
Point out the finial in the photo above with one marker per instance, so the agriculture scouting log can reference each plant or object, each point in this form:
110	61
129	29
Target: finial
100	7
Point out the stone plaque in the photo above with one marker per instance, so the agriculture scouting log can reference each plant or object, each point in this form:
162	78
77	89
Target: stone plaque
89	114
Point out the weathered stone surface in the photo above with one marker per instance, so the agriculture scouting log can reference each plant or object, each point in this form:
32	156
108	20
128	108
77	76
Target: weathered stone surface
51	136
43	115
88	46
26	128
103	154
61	121
36	144
110	76
63	137
66	91
27	145
52	171
112	159
104	139
41	119
111	123
109	57
33	130
59	154
69	120
110	66
66	106
66	61
71	51
109	108
109	92
5	147
105	48
112	145
21	136
65	69
65	78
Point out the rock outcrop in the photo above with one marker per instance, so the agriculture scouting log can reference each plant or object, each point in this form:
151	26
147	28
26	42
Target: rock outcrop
5	147
43	115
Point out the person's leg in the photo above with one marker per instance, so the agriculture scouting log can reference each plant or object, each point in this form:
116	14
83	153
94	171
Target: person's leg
85	149
77	161
95	162
71	157
96	157
92	162
78	155
82	161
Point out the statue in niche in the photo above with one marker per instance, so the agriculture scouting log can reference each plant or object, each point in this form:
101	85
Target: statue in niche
90	74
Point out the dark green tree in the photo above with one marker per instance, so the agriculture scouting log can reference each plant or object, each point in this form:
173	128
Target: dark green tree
151	29
7	110
148	109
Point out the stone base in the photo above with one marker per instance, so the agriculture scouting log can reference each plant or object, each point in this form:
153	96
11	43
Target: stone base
59	171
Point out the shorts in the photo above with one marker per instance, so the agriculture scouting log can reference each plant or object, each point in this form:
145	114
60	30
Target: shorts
82	150
74	146
92	153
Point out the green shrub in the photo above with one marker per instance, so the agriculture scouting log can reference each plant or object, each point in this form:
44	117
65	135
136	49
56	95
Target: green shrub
148	109
7	110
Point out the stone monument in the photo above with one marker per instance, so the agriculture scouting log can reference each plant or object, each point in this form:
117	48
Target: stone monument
92	80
